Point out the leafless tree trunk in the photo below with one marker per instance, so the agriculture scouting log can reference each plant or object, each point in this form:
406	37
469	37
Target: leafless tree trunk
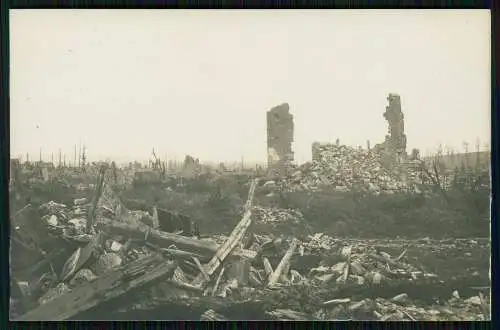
434	174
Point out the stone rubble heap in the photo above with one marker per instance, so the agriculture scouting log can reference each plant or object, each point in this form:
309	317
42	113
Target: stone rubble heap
346	168
277	215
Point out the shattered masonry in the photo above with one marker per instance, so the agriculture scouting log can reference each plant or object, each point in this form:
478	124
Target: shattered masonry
394	146
396	140
279	139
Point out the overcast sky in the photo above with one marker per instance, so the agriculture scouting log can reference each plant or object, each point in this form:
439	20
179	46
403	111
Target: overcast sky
200	82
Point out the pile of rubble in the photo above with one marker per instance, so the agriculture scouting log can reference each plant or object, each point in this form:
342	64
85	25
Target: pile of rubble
346	168
277	215
124	251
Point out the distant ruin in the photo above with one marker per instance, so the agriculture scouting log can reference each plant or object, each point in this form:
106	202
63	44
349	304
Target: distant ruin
316	151
280	129
394	146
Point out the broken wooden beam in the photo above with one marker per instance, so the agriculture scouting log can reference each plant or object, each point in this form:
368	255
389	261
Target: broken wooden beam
267	266
164	239
273	279
112	285
201	269
156	222
177	253
216	285
230	244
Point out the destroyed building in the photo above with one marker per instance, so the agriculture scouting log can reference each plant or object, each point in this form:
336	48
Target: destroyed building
279	139
316	151
394	146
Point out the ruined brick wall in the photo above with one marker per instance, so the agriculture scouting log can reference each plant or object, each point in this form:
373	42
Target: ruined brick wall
279	139
396	140
393	149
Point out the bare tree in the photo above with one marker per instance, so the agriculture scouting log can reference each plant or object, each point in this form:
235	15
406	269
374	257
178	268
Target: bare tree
435	173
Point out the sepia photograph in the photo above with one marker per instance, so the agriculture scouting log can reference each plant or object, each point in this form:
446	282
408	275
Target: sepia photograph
250	165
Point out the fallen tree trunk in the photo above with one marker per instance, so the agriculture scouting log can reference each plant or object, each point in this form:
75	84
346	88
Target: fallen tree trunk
107	287
163	239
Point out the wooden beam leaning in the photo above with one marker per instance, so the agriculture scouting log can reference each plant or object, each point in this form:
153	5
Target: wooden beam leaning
274	277
230	244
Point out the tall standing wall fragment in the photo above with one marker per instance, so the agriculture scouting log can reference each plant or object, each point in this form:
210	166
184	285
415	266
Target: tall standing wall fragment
279	139
393	149
396	139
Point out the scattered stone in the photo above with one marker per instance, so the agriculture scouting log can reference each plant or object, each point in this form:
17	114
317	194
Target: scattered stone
53	293
400	298
51	220
83	276
79	224
113	246
475	300
80	201
106	263
277	215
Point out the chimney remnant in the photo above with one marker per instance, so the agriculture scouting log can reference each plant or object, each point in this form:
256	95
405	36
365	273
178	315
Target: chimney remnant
280	129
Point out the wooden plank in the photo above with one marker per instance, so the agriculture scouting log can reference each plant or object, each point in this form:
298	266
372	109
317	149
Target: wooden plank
267	266
273	279
156	223
200	267
216	285
164	239
110	286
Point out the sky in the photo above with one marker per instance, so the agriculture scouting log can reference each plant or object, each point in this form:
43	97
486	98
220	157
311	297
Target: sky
200	82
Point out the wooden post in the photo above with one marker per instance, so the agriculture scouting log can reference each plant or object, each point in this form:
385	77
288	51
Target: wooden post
273	279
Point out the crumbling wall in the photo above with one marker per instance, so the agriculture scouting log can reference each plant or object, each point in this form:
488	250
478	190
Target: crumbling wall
280	129
394	146
395	118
